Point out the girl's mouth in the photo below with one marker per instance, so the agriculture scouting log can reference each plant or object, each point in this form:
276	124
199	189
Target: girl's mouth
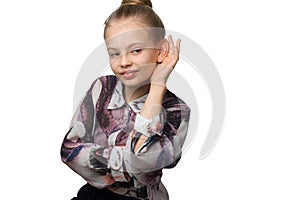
130	74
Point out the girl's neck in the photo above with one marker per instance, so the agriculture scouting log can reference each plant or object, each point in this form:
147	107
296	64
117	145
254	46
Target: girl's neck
132	93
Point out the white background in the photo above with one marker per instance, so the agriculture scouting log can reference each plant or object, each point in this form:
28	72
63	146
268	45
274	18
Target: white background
254	45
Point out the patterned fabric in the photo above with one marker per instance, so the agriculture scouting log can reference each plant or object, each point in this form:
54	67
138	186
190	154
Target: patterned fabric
104	130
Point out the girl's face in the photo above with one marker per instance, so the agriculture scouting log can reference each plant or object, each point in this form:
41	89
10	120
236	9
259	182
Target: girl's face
133	53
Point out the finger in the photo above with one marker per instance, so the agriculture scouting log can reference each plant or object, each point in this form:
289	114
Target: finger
171	43
177	49
178	42
168	47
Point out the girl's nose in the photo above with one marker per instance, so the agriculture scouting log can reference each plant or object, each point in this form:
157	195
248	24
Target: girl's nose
125	61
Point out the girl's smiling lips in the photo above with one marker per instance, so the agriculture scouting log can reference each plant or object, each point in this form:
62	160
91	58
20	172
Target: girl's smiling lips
129	74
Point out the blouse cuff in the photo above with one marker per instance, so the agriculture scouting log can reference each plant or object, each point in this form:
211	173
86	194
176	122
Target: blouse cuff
151	127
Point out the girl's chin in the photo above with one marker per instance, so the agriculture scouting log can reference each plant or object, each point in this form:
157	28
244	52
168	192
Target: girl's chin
134	82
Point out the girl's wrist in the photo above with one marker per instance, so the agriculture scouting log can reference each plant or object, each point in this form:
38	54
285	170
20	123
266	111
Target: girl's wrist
161	84
157	91
158	88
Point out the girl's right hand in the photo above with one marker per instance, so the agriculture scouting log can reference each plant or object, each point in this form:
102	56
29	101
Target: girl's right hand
164	69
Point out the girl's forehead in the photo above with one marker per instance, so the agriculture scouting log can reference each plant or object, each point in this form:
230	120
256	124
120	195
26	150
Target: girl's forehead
127	36
118	27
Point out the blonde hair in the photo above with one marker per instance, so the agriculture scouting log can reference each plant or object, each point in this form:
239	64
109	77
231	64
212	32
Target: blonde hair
142	11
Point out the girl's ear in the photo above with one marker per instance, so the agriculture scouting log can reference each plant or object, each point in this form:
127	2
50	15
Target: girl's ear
163	50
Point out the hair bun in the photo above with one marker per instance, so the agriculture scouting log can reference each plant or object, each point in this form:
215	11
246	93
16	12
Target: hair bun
137	2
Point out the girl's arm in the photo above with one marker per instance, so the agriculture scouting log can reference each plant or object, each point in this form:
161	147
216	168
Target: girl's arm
160	128
88	159
151	108
168	57
164	136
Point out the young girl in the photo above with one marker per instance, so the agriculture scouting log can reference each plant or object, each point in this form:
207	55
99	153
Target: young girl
128	127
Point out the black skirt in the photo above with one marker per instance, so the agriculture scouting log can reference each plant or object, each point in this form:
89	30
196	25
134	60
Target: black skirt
88	192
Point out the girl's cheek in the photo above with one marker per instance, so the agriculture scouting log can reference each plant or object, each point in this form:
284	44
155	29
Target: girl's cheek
113	62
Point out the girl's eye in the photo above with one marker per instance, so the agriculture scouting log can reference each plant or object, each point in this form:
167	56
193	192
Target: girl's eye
136	51
114	54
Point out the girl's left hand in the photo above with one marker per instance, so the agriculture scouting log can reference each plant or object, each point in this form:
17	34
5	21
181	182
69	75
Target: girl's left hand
164	69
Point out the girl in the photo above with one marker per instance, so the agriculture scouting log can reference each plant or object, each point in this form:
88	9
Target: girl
128	127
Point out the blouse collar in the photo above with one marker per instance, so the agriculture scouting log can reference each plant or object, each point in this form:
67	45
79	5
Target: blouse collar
117	99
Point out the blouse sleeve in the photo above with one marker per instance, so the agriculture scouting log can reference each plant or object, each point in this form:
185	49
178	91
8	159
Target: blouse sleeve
79	152
166	134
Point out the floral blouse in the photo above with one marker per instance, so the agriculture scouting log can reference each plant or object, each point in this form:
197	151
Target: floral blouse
99	145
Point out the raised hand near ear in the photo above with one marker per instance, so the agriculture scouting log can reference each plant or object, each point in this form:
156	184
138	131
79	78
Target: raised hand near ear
167	59
164	68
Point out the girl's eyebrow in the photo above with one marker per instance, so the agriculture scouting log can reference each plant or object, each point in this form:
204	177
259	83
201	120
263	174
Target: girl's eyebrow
111	48
129	46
